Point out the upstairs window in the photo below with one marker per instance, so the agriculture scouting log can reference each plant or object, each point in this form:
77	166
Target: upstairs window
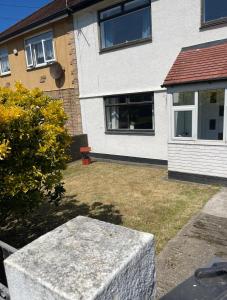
127	22
39	50
214	10
4	62
133	112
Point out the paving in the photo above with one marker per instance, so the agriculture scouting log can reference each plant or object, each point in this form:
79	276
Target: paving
202	238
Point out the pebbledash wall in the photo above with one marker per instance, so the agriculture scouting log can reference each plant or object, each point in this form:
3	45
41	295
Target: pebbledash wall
67	88
138	68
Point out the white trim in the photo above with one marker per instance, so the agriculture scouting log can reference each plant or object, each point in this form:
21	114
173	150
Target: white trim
109	93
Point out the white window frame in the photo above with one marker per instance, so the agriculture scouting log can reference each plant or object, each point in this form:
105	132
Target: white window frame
191	108
3	56
194	109
34	63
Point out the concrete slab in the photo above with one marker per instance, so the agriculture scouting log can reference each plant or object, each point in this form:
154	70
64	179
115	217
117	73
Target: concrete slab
217	205
203	238
84	259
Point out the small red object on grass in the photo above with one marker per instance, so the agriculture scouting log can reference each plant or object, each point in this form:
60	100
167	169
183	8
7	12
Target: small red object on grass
86	160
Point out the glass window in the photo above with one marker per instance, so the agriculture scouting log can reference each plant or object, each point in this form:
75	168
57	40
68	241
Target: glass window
184	98
214	9
4	62
122	113
39	50
129	22
183	123
211	114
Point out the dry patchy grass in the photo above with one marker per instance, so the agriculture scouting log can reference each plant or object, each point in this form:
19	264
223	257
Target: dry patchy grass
139	197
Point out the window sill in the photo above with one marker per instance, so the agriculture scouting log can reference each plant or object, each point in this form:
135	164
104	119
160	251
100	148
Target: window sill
199	142
213	24
130	132
40	66
5	74
125	45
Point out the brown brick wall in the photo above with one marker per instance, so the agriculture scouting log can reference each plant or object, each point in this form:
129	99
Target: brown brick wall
71	95
72	109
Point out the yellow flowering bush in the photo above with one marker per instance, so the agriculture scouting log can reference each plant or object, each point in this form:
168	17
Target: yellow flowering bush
33	149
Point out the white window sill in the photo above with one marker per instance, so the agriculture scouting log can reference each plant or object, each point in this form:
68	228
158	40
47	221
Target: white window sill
5	74
198	142
40	66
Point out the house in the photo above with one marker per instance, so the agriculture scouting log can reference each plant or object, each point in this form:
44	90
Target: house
39	51
131	109
151	73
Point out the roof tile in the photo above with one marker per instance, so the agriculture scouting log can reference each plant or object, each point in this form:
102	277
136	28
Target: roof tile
198	64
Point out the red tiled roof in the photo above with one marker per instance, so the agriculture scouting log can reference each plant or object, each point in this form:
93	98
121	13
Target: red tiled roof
207	62
48	12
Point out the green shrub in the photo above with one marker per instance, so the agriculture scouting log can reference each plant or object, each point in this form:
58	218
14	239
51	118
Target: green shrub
33	146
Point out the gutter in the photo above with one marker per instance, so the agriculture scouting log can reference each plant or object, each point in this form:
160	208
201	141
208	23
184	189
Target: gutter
69	10
32	27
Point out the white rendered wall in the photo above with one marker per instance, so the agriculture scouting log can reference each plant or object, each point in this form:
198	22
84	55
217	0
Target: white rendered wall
139	68
154	147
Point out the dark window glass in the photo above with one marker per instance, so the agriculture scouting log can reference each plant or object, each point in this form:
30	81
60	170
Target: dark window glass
211	114
132	22
214	9
128	114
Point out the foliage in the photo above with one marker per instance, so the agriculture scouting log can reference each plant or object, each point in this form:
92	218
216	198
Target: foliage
33	147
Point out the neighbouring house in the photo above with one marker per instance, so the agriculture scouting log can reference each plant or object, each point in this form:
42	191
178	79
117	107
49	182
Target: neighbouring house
40	52
130	109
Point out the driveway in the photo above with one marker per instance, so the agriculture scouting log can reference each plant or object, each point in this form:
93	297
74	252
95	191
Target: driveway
202	238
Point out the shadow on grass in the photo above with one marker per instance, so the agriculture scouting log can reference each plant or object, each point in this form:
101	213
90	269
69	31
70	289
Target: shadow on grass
47	217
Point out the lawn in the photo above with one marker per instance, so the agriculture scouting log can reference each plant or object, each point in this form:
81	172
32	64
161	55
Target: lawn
139	197
135	196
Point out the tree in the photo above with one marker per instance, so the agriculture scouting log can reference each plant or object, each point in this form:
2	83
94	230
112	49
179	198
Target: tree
33	149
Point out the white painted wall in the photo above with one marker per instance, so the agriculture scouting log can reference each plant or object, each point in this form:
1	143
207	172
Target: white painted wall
175	24
198	159
154	147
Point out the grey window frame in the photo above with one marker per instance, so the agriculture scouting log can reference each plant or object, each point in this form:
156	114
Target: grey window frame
206	24
130	43
129	131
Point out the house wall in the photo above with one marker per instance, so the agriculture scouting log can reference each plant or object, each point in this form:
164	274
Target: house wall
65	51
198	159
153	147
138	68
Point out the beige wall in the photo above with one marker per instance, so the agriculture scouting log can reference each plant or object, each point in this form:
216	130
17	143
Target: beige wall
40	77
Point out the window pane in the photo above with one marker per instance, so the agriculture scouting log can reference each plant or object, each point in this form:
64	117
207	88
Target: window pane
215	9
129	116
184	98
29	56
211	115
116	100
49	51
135	3
145	97
4	64
183	123
39	55
3	52
126	28
110	12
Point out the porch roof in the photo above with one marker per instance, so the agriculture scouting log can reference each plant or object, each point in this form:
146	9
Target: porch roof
200	63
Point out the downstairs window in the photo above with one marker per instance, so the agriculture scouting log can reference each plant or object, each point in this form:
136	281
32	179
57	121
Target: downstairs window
199	115
130	113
